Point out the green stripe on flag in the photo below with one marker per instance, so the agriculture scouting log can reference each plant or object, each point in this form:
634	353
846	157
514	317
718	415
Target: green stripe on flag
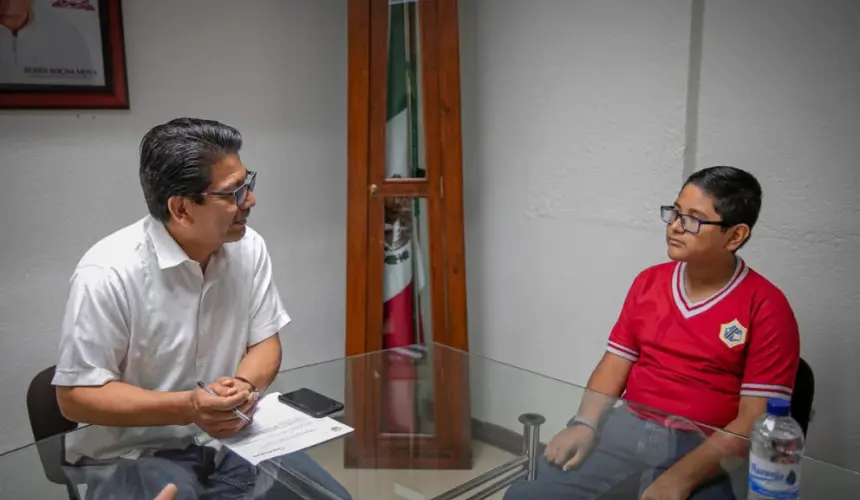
397	67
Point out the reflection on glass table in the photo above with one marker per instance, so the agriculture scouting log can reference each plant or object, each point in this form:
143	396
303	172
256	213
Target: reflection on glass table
511	414
406	314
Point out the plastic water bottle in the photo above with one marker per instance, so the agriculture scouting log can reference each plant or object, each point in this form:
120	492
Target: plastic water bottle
775	453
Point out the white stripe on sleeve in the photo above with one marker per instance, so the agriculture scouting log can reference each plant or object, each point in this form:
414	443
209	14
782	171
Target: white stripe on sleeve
622	351
766	391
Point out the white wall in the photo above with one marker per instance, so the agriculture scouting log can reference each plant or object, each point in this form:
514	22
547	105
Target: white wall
573	132
779	95
574	115
277	71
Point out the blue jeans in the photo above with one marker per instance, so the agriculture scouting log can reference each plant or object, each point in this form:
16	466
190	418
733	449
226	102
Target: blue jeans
197	477
627	447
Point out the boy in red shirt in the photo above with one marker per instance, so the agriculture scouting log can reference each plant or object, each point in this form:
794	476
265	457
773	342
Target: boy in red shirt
703	337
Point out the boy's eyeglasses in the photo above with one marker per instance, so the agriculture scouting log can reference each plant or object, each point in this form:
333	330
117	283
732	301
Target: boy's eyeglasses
689	223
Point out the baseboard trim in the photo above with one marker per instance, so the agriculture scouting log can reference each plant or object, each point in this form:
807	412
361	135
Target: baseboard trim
491	434
500	437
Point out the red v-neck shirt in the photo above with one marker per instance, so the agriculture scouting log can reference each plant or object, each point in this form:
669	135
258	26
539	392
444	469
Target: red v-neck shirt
696	359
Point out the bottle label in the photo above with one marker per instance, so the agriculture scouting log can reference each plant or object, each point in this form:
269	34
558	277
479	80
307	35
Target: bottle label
774	480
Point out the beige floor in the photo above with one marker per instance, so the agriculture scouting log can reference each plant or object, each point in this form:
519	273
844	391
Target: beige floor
405	484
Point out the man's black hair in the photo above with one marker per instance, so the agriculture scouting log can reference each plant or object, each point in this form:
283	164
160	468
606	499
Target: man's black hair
736	193
176	159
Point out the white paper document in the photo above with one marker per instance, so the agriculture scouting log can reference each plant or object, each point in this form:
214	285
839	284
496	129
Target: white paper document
278	429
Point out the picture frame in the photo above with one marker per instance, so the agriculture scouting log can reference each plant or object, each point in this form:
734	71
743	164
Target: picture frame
62	54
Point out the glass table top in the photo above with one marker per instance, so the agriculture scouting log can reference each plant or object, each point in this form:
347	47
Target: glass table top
433	422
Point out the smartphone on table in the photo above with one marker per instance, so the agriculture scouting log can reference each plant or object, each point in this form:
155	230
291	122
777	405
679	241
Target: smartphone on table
311	402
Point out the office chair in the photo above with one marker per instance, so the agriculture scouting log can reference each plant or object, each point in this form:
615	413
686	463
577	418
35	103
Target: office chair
804	393
47	421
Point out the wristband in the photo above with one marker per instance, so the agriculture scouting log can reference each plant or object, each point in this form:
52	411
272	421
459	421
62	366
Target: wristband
577	420
243	379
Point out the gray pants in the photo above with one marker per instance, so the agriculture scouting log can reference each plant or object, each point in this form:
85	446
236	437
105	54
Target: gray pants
628	448
197	477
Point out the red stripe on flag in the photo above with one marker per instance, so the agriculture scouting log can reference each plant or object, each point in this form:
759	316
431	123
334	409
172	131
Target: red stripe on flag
399	331
399	311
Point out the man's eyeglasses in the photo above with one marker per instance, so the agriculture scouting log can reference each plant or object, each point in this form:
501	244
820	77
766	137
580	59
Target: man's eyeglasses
240	194
689	223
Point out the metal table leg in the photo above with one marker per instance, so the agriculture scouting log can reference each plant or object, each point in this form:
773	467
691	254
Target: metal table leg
524	466
531	441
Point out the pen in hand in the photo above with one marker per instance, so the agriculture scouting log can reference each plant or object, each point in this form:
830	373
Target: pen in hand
238	413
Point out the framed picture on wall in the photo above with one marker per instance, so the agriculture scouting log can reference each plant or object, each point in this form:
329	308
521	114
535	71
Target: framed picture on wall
62	54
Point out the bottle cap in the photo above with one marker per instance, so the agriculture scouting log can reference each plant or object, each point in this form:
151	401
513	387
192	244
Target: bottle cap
778	407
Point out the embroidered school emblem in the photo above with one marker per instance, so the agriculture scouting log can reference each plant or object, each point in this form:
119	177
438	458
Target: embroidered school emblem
733	334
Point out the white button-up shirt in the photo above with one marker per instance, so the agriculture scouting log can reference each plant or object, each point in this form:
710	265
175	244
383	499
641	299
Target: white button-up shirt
143	313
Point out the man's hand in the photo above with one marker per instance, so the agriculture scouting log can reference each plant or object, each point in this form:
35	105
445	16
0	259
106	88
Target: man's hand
576	441
168	493
667	487
214	414
226	384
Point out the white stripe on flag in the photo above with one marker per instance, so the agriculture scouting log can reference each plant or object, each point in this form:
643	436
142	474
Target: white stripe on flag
397	145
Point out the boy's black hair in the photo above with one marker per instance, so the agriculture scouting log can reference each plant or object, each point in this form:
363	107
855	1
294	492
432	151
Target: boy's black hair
736	193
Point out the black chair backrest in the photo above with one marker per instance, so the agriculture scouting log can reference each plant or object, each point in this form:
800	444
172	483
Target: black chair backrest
803	395
47	421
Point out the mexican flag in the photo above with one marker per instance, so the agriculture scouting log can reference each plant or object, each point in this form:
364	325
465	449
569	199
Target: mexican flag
404	276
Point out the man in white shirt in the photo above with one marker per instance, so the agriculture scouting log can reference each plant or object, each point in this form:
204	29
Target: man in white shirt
184	295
